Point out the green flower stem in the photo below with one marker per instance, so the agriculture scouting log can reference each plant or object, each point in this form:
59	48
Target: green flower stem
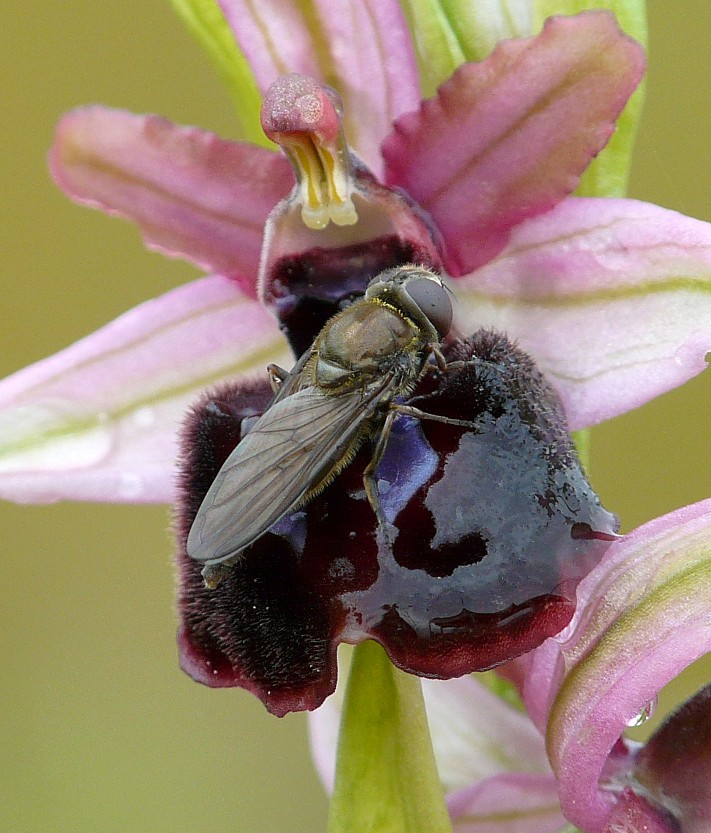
608	174
205	21
438	47
386	776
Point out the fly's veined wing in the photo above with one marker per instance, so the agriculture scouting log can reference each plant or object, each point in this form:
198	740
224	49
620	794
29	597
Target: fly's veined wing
288	451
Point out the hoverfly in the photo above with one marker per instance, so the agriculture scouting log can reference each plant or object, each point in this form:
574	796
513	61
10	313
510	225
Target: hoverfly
342	391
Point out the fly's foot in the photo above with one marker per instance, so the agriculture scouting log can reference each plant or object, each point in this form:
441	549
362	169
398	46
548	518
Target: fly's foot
213	574
276	376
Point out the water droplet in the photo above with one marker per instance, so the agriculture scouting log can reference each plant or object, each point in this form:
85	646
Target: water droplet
52	436
144	417
130	485
644	715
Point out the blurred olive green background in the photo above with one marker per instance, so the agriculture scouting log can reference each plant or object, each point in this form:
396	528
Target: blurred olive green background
99	728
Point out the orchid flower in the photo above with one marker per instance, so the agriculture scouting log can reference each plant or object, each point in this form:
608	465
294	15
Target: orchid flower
606	295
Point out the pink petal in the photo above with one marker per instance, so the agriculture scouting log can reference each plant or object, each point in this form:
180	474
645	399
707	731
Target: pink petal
644	614
324	723
611	297
98	420
508	138
192	194
477	735
509	803
360	47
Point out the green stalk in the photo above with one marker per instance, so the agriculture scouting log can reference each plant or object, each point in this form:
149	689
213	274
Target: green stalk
386	776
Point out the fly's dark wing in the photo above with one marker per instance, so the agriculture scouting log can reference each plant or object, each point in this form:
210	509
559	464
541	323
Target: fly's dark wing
290	450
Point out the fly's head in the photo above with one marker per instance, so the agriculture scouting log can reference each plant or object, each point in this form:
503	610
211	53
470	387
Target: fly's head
420	295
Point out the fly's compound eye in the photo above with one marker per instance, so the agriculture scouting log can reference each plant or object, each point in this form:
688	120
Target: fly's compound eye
432	298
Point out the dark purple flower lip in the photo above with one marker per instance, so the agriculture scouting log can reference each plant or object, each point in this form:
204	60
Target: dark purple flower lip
483	566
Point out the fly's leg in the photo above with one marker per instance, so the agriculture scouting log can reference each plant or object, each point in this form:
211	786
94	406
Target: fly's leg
276	376
440	362
443	366
408	410
369	481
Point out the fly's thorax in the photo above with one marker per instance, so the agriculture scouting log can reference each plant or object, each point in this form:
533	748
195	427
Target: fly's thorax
366	340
